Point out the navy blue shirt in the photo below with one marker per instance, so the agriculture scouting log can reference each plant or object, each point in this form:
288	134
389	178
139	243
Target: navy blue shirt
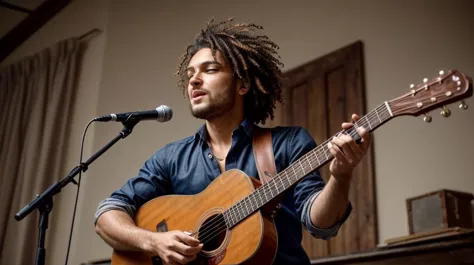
188	167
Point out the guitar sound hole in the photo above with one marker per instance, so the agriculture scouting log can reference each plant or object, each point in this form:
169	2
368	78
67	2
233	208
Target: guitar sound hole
212	232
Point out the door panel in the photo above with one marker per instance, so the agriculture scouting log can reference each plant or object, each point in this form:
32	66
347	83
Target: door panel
319	96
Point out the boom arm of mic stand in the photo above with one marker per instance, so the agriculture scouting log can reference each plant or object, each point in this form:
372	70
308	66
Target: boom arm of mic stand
44	201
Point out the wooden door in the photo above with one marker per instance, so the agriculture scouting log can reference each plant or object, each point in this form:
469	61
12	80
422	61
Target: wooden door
319	96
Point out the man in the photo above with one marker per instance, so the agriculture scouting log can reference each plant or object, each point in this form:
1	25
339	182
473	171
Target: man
232	78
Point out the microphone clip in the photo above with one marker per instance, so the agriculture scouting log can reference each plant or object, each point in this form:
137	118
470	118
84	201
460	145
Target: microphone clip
128	126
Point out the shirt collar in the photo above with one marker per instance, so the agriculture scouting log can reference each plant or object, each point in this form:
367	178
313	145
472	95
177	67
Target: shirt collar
246	125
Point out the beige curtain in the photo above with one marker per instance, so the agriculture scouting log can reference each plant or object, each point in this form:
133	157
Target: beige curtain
36	101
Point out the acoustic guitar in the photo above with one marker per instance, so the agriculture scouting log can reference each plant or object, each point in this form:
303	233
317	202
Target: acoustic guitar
230	218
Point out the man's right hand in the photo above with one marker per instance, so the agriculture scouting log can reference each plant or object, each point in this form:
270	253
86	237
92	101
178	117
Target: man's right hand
118	229
175	247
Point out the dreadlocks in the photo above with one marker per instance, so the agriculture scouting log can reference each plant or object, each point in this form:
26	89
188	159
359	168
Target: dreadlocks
252	58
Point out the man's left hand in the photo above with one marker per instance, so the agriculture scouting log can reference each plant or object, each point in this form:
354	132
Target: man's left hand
347	153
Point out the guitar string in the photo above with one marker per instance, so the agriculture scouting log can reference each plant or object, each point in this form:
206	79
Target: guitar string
244	203
383	115
205	233
221	228
314	153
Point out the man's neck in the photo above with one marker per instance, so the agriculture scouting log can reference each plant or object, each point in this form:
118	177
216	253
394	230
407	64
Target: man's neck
220	130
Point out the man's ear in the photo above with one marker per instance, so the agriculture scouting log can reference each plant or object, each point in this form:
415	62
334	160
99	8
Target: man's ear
243	90
243	86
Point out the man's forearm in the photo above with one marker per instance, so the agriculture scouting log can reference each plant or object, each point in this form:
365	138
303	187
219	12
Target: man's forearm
120	232
331	204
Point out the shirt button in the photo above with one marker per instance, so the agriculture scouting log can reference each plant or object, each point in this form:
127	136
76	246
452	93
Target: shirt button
209	155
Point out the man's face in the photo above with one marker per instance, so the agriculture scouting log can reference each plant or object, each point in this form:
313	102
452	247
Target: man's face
212	89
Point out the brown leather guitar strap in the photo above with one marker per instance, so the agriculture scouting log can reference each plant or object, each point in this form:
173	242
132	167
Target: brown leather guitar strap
263	153
265	162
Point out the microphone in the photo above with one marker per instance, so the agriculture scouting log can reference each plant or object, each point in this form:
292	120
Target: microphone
161	114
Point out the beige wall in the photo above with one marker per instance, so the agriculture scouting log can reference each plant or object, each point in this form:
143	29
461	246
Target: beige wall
405	41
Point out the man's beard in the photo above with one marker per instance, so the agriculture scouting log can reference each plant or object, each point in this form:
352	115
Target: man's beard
215	108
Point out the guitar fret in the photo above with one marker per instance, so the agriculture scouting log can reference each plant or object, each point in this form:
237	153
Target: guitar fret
301	165
294	172
231	220
252	202
288	179
229	212
281	180
238	213
276	186
250	205
368	122
226	219
246	207
270	188
376	112
309	162
255	204
234	214
317	157
257	195
265	193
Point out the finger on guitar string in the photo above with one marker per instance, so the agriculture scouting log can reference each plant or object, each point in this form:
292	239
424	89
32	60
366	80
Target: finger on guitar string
337	152
355	151
344	142
186	238
365	138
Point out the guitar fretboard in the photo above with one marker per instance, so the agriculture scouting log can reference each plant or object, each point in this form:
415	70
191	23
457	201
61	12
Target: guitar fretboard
306	164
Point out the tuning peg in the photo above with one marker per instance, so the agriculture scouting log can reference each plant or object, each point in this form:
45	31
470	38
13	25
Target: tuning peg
463	105
426	118
445	112
425	80
441	72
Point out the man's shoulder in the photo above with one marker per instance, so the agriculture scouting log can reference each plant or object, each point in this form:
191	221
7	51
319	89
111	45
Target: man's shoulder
182	143
292	135
285	131
175	146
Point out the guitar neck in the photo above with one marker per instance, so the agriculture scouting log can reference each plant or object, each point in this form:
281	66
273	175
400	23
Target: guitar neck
306	164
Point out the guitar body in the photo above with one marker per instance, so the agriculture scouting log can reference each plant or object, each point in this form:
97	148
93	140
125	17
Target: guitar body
252	241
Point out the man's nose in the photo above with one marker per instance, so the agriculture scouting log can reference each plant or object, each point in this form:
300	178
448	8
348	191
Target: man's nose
195	81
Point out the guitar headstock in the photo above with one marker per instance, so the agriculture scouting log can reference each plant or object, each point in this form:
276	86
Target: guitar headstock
431	94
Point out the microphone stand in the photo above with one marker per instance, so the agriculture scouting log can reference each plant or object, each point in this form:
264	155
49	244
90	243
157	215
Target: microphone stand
44	202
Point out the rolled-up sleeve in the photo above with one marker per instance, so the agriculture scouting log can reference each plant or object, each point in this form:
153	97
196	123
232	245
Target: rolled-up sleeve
152	181
323	233
306	191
